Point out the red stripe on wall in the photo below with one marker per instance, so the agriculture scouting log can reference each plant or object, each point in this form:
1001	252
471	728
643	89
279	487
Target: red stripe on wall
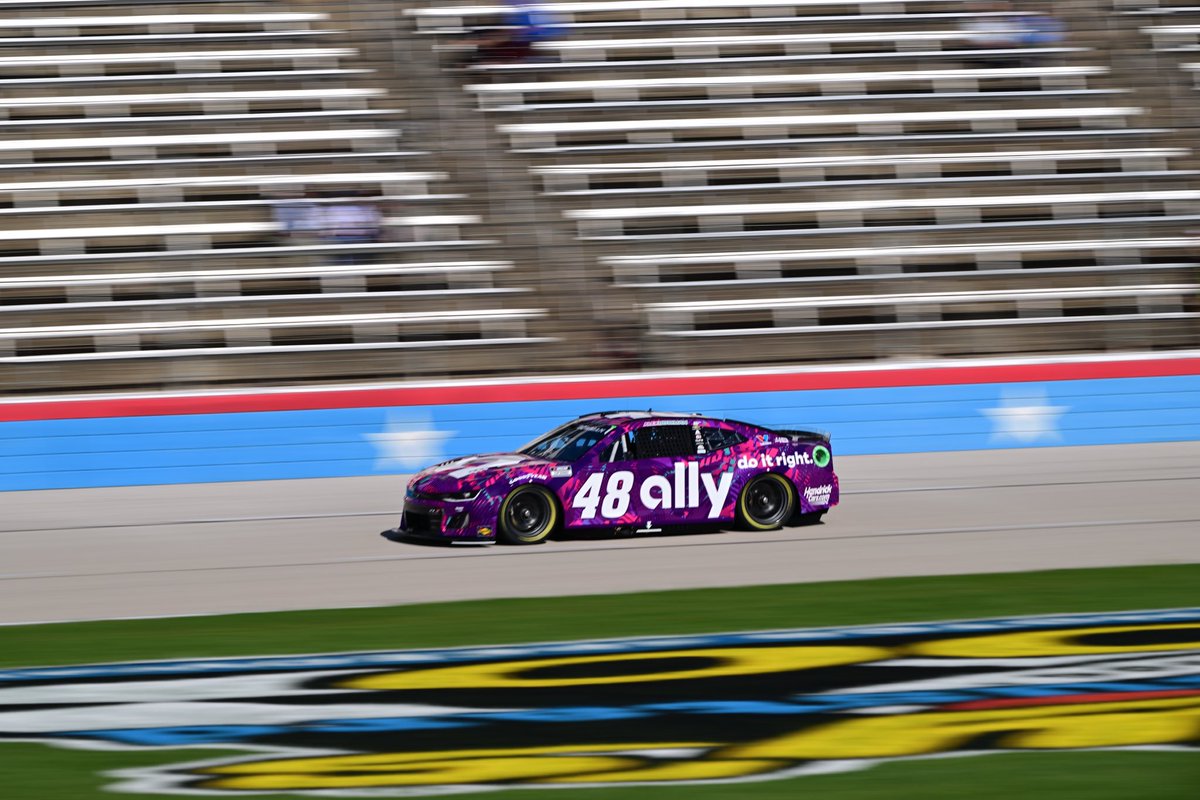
599	389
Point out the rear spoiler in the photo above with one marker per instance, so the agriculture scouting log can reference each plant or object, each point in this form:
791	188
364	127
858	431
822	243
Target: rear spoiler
798	435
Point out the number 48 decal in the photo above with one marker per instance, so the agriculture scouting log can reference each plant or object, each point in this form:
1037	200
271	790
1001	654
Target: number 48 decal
616	495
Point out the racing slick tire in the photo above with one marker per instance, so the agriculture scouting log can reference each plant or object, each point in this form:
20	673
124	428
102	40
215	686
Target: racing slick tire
766	502
527	515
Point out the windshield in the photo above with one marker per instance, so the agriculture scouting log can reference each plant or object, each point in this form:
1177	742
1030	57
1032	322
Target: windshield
568	443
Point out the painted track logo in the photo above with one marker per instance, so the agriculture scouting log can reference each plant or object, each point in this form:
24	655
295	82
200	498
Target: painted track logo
697	709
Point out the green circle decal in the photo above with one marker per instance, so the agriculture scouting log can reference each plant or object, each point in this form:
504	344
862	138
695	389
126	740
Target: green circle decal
821	455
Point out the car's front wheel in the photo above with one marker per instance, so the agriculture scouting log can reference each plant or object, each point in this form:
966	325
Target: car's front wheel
527	515
766	502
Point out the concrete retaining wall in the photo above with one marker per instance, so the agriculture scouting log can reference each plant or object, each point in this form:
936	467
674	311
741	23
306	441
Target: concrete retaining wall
55	443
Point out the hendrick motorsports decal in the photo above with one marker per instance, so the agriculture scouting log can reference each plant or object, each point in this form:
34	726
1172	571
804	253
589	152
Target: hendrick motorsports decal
697	709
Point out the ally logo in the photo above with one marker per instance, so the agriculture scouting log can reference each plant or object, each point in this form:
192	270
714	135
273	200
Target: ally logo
696	709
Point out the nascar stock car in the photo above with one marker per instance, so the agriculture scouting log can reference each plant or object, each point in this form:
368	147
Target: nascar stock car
626	471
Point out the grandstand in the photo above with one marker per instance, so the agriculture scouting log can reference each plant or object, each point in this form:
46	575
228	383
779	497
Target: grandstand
668	184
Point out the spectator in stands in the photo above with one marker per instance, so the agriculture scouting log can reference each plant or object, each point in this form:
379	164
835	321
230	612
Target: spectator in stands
1037	29
515	40
990	32
297	221
296	216
352	219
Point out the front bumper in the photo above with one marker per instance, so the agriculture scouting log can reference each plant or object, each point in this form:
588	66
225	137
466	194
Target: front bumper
443	522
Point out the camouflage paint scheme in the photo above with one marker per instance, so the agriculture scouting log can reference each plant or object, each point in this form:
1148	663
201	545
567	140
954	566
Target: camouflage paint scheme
700	489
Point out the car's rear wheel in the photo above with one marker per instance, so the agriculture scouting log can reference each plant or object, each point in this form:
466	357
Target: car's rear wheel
766	502
527	515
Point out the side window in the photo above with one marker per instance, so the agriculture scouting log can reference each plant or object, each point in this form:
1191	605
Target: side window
714	439
662	441
618	450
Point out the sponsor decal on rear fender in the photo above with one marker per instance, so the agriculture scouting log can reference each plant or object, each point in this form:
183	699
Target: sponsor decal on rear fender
818	495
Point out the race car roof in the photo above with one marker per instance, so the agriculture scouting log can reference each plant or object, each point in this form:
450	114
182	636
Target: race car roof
627	416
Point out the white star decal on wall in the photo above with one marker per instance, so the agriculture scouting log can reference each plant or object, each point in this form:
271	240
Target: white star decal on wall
408	443
1025	418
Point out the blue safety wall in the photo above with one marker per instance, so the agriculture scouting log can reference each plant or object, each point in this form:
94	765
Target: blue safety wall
341	442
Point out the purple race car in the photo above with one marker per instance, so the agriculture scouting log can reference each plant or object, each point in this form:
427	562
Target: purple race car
626	471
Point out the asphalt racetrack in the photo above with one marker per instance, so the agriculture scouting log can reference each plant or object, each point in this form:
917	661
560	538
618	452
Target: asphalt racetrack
218	548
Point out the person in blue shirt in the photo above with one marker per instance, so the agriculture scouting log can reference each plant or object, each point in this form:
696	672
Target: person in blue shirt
525	25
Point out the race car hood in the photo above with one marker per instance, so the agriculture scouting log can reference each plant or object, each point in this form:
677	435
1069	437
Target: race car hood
474	472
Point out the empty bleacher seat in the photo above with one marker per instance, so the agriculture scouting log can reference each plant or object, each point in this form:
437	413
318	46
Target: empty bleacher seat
925	324
200	77
749	268
199	283
1193	70
850	270
766	316
73	5
132	40
150	146
188	251
36	195
341	332
153	22
717	89
1174	37
110	104
637	177
202	163
847	216
91	64
527	136
206	294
